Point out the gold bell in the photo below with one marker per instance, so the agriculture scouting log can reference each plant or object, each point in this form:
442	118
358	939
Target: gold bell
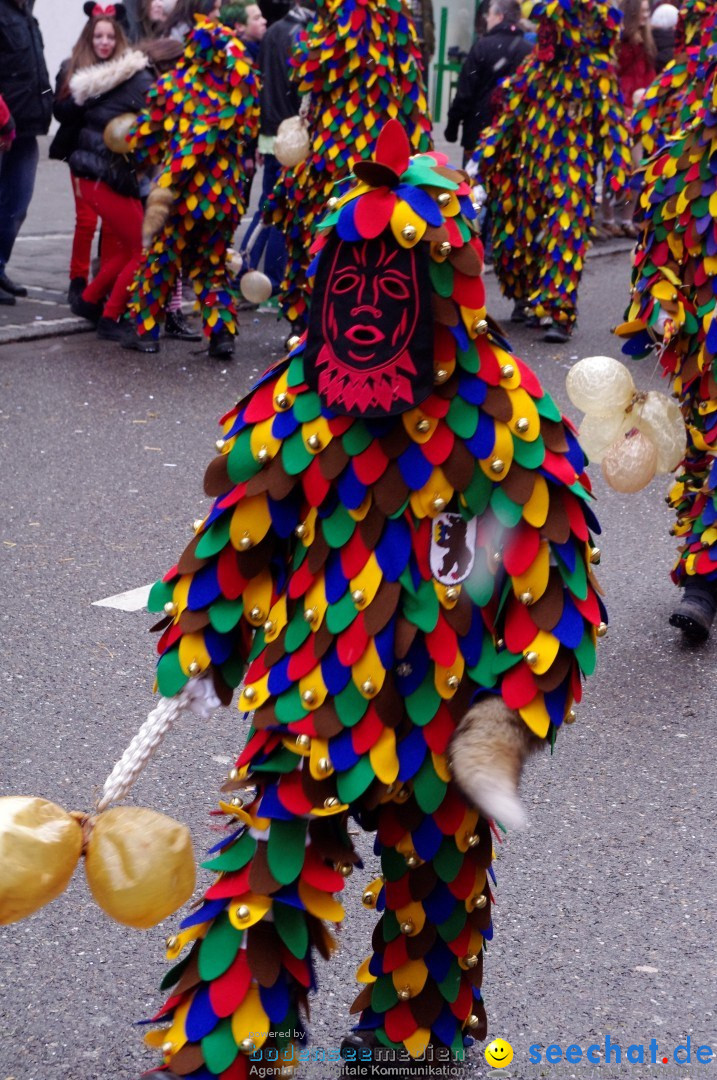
368	687
440	375
247	1046
601	630
438	503
193	668
412	860
268	627
445	249
197	524
526	597
245	542
497	465
314	442
303	741
292	342
220	444
300	531
324	765
243	913
359	597
531	658
172	941
522	424
170	608
444	198
479	902
310	615
256	615
507	371
472	839
282	401
369	899
571	716
262	455
453	682
249	693
423	426
471	960
497	557
408	232
234	773
346	869
473	1021
595	556
499	643
452	593
332	203
480	326
309	697
405	993
331	802
167	1048
406	927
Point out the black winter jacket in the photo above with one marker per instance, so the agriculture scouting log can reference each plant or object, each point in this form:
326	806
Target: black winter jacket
492	57
102	92
279	98
24	82
69	115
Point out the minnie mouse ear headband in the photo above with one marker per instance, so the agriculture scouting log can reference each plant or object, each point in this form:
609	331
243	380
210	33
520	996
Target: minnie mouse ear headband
108	11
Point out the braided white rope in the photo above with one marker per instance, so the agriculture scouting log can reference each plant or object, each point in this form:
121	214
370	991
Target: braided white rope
197	697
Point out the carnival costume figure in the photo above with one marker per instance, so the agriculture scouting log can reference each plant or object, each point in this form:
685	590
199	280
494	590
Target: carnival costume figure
562	118
199	119
673	304
397	568
359	65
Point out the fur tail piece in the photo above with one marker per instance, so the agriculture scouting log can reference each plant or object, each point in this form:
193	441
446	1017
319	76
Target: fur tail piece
488	752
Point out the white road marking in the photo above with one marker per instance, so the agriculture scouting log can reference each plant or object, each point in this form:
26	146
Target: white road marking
132	600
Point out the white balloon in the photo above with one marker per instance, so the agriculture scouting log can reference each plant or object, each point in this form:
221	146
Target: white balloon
600	386
292	142
660	418
255	287
630	463
598	433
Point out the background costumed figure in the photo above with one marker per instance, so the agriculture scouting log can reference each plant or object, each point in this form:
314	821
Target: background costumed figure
562	117
673	305
199	119
398	565
672	100
360	64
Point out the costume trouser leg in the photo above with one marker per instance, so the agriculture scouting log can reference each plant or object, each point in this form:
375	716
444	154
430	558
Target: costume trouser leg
694	495
424	977
564	236
206	263
237	996
156	279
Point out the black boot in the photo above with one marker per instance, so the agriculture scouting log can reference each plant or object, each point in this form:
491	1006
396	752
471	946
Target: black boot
91	312
9	286
176	326
140	343
696	611
76	289
558	333
221	344
118	330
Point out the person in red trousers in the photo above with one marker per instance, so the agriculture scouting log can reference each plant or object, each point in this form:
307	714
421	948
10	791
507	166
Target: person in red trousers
104	180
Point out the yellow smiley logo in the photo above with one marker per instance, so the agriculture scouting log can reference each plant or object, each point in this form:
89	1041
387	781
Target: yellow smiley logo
499	1053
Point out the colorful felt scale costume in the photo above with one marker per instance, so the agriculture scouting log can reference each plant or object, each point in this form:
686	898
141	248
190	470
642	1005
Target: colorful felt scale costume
674	97
198	120
361	65
673	304
562	118
401	527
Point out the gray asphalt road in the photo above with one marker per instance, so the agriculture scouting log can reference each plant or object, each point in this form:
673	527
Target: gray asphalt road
606	904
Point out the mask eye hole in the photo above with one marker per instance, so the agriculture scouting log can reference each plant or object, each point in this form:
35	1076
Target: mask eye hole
394	288
347	281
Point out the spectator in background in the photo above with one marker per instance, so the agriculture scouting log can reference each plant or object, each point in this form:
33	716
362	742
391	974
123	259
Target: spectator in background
279	100
663	23
423	21
152	20
25	89
492	57
180	21
106	180
249	25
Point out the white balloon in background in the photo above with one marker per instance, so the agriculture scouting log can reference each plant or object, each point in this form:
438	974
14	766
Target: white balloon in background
600	386
598	433
255	287
660	418
630	463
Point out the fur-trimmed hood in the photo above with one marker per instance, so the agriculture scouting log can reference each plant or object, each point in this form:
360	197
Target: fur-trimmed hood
92	82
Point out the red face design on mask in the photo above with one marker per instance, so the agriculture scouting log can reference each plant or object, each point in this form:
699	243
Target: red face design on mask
370	341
